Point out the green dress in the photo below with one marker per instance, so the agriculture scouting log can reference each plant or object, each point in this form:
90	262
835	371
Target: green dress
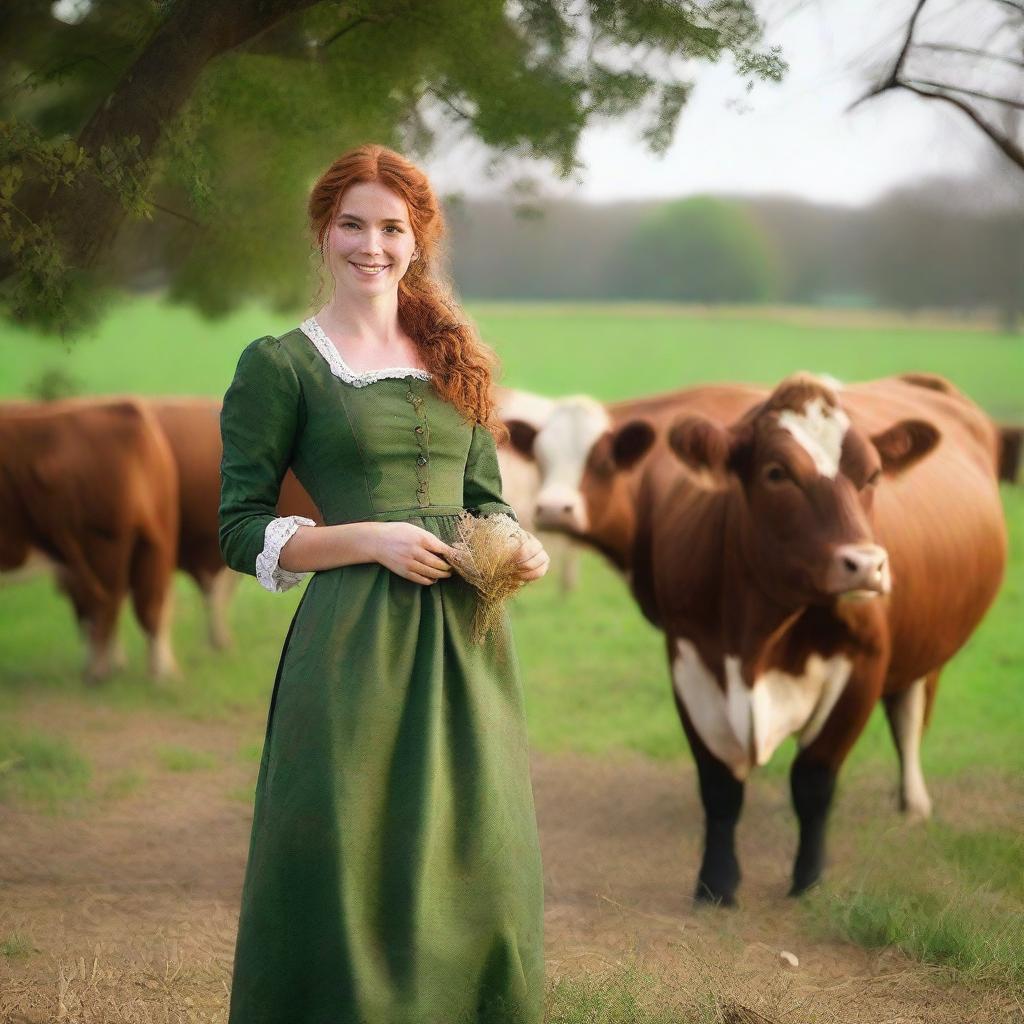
394	872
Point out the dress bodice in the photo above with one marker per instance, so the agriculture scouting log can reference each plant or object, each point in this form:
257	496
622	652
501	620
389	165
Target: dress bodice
392	444
383	445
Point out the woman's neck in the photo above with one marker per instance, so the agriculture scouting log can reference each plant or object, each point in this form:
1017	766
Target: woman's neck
367	323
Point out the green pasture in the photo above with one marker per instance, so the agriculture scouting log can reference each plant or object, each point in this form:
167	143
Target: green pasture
593	669
609	351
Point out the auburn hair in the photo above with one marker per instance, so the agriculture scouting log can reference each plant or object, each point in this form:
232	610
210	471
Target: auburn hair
461	365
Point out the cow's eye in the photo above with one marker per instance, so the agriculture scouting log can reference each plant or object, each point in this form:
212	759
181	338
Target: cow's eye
776	473
874	478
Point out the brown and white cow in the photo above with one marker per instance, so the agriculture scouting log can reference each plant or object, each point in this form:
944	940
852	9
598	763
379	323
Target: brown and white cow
588	466
520	476
95	490
820	551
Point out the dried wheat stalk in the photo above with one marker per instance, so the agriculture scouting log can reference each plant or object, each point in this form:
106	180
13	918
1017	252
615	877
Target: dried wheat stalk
485	556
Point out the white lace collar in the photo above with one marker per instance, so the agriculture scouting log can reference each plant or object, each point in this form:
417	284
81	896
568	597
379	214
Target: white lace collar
341	369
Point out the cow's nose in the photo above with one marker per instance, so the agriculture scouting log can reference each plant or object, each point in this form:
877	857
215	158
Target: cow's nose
558	514
859	567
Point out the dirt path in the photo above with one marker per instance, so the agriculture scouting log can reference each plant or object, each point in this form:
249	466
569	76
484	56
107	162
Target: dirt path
130	904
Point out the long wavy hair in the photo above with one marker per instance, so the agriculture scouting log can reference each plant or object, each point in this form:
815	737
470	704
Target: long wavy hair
461	365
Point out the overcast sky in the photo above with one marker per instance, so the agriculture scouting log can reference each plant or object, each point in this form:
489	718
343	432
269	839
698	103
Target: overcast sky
794	138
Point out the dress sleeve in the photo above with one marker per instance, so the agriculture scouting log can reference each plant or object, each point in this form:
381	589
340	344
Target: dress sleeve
258	423
481	491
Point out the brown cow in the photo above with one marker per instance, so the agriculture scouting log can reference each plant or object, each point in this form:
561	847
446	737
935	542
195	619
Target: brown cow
95	490
192	426
821	550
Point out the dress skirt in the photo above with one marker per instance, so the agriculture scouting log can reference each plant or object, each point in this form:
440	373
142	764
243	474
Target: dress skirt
394	871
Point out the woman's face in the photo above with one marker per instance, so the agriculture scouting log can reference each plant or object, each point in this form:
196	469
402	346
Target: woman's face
370	243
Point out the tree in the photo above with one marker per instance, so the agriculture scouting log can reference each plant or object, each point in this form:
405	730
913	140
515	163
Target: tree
201	123
698	250
972	59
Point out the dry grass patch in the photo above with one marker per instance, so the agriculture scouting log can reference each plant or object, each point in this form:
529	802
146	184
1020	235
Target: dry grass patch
106	990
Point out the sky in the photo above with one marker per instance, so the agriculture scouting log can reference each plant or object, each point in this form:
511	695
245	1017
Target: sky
792	138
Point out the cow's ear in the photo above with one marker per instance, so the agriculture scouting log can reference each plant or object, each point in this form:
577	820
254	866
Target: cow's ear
699	443
521	436
905	443
631	442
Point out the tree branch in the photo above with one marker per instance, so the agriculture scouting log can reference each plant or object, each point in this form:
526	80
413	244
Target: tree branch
1009	148
450	104
969	52
892	80
345	29
925	84
907	42
1012	4
181	216
30	80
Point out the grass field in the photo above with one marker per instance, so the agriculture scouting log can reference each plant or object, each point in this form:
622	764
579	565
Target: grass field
595	678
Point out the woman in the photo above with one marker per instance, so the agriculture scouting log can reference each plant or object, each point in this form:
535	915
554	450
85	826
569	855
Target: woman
394	872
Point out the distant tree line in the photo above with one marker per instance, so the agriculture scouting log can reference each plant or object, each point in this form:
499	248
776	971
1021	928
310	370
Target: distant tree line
944	244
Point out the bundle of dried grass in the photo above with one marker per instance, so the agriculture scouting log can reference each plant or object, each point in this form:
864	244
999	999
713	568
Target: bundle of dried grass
485	556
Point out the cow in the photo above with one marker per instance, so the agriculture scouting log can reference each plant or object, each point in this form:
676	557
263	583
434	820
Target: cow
192	427
94	489
588	490
520	476
806	557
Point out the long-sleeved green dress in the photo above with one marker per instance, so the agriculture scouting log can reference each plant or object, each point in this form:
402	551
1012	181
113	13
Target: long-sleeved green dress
394	872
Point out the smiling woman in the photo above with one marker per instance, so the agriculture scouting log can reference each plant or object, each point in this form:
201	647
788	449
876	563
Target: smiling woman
394	871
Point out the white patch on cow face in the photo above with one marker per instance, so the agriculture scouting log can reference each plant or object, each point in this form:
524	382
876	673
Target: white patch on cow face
819	430
743	726
524	405
561	449
718	717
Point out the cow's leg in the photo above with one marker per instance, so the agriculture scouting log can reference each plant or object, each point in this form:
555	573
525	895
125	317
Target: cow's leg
722	796
816	768
569	559
101	636
218	588
75	594
152	579
907	714
812	784
97	615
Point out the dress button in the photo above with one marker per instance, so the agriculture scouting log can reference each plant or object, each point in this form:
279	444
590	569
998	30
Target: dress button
419	430
421	460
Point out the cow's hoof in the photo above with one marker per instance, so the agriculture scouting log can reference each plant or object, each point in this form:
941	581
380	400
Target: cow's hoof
917	809
94	676
801	886
708	896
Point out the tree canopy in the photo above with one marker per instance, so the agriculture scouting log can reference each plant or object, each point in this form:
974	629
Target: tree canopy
176	141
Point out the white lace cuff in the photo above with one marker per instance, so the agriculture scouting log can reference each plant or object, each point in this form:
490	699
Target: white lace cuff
276	535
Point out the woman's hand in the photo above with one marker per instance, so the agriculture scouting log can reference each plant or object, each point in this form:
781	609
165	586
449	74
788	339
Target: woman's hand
412	552
533	559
